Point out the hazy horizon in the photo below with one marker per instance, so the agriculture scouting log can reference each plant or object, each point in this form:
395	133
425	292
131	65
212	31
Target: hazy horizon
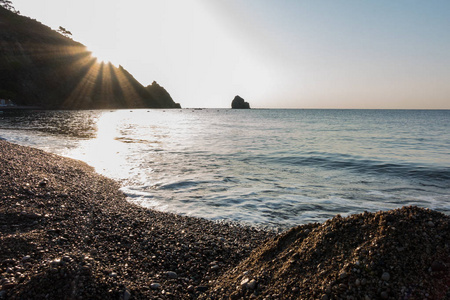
289	54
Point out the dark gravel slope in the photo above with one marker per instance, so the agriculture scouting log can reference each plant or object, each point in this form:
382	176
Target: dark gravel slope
398	254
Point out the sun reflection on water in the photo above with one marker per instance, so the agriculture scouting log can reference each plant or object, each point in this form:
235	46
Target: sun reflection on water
105	152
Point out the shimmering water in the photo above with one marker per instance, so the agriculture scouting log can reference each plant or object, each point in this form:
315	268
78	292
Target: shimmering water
268	167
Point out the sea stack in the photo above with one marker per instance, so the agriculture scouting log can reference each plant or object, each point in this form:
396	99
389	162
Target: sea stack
239	103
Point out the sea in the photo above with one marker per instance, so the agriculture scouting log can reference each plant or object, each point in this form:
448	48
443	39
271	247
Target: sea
270	168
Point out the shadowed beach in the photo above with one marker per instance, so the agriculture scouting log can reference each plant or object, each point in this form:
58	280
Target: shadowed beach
69	233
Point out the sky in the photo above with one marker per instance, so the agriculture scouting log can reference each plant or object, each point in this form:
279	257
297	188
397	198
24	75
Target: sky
380	54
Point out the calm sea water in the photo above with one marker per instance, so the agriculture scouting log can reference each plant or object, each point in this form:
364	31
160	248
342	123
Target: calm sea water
275	168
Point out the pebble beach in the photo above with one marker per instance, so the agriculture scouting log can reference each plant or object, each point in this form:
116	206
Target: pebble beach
69	233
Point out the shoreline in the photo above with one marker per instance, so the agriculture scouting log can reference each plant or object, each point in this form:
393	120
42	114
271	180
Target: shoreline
69	233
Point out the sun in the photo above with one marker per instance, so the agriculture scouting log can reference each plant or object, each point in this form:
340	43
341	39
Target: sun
103	55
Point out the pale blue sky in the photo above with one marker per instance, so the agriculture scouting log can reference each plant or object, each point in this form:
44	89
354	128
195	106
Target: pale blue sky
290	54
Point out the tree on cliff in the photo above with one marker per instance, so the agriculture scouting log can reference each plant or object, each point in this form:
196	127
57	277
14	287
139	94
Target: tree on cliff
64	31
9	6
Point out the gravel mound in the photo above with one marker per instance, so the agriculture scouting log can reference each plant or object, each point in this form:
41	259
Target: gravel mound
69	233
398	254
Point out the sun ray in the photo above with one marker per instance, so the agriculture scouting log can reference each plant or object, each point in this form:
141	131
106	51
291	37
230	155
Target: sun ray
81	95
131	97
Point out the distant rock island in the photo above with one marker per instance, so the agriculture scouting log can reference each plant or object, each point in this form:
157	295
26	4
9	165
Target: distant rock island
44	68
239	103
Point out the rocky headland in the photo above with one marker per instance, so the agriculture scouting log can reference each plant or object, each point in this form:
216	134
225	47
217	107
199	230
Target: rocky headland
41	67
69	233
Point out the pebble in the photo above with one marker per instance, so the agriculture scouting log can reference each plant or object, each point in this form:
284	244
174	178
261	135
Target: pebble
343	275
215	268
202	288
244	282
438	266
8	285
172	275
155	286
252	284
126	295
386	276
55	262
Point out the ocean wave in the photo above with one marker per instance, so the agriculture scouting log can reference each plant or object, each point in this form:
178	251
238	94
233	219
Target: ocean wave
439	175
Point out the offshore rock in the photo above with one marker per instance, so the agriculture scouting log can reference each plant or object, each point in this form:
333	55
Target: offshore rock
239	103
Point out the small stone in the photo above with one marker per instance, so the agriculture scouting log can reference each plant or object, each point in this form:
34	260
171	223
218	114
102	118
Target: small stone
244	282
55	262
191	289
430	224
26	258
384	295
202	288
357	282
215	268
366	297
113	274
438	266
235	295
172	275
8	285
386	276
343	275
155	286
325	297
86	268
126	295
252	284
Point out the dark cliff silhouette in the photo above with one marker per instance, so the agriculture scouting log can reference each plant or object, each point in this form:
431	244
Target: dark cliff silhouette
44	68
238	102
